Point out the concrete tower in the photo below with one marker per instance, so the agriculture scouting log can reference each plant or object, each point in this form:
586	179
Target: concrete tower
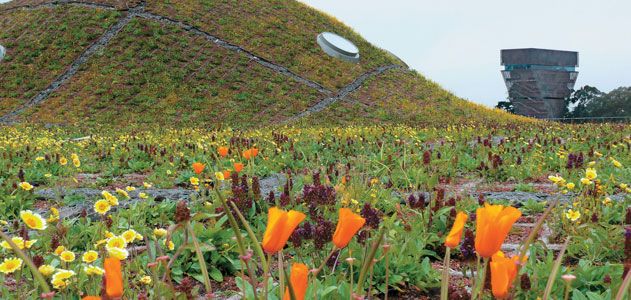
539	80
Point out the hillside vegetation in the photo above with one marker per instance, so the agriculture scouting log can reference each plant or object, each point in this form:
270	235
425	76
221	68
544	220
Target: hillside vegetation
236	63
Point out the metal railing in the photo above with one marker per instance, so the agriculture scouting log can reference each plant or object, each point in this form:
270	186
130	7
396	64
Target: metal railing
592	119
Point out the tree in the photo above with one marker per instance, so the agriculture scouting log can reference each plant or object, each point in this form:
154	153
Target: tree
506	105
577	102
590	102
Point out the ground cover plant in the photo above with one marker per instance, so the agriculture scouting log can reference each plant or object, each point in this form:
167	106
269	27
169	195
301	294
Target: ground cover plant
316	213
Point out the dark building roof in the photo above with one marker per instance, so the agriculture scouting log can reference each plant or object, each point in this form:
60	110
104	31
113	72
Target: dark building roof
542	57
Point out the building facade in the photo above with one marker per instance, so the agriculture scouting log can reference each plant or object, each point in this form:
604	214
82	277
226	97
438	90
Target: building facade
539	80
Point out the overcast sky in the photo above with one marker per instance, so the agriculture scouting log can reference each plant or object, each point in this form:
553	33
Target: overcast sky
457	43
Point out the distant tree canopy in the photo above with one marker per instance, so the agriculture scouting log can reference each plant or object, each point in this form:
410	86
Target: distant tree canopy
506	105
588	101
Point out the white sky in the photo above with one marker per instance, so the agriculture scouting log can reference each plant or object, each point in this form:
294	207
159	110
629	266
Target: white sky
457	42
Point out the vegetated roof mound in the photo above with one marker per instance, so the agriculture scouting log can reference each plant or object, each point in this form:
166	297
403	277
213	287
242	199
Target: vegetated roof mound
185	62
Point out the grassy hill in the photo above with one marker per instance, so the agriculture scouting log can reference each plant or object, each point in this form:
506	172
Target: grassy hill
238	63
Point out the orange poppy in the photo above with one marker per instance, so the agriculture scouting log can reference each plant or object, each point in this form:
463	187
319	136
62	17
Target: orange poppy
226	174
247	154
503	271
238	167
198	168
453	238
223	151
348	225
280	225
493	222
91	298
113	278
299	279
255	152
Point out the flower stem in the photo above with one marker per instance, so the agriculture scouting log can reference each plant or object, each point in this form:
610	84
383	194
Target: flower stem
200	259
317	271
27	261
444	285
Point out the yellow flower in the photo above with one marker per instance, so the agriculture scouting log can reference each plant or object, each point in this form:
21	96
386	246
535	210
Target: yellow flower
26	186
119	253
131	235
33	220
607	201
170	246
75	160
60	278
130	188
570	186
39	158
590	173
586	181
46	270
146	185
219	176
90	256
10	265
616	163
624	186
48	175
194	180
591	163
99	243
145	280
102	206
110	198
54	215
143	196
555	178
63	161
598	154
59	249
572	215
18	241
67	256
93	270
117	242
122	193
159	232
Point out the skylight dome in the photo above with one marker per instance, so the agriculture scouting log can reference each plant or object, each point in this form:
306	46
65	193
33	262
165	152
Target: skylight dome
338	47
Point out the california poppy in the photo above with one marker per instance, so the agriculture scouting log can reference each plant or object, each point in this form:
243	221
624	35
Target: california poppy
198	168
298	278
247	154
250	153
280	225
223	151
347	226
238	167
503	271
493	222
453	239
113	278
91	298
226	174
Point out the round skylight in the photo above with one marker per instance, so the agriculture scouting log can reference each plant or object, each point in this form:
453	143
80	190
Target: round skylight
338	47
2	52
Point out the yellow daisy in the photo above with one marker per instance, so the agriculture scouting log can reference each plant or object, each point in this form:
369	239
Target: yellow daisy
26	186
102	206
33	220
90	256
10	265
